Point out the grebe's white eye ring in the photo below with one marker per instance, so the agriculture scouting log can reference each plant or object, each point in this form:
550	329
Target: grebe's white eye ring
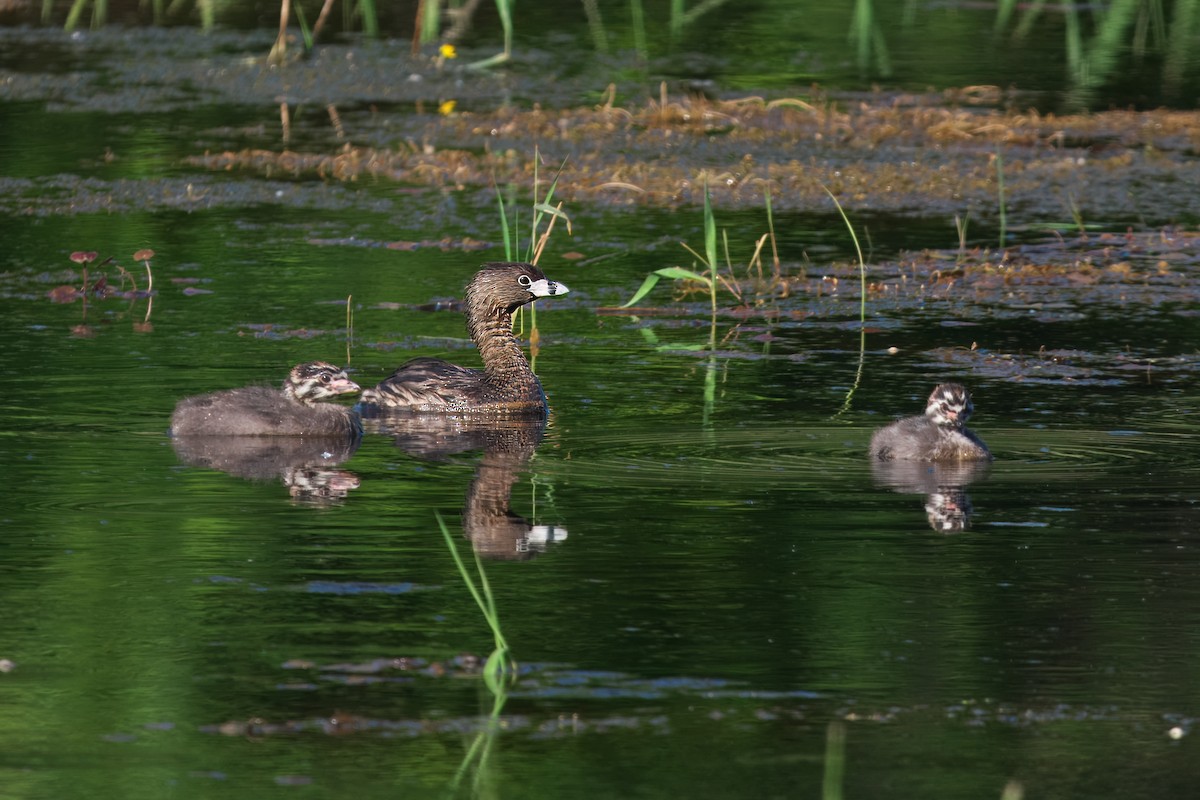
525	281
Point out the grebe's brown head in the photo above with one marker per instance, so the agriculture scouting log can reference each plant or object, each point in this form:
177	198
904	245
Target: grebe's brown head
506	286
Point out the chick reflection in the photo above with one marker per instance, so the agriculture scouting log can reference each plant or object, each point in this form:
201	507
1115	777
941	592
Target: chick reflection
507	444
305	465
947	505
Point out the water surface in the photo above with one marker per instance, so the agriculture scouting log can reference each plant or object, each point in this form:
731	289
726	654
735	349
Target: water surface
695	565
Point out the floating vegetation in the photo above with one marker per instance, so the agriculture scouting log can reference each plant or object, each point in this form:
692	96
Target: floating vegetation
862	151
90	282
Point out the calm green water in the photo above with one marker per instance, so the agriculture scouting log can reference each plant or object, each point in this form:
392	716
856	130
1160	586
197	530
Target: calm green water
711	580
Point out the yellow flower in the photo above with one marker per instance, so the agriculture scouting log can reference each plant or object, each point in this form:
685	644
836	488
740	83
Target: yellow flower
447	108
447	51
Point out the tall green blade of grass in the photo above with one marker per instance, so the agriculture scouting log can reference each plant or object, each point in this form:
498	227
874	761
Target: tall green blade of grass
1108	44
535	217
504	9
74	14
638	23
1074	42
835	761
860	33
862	305
1181	35
710	381
596	26
1004	12
366	8
99	14
208	14
862	266
676	23
499	666
505	232
428	24
710	252
775	273
1029	19
302	21
700	9
883	61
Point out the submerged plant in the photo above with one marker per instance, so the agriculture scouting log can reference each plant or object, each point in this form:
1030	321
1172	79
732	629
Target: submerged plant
500	669
710	279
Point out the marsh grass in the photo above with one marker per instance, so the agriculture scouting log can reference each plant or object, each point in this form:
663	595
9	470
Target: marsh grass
835	761
711	279
539	237
500	669
681	17
862	306
637	19
775	266
504	10
99	13
866	35
595	22
960	227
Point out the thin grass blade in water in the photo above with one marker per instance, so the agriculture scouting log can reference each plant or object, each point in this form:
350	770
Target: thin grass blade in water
862	306
835	761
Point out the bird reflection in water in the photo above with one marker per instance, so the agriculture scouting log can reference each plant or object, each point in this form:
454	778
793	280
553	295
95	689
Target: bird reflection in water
508	444
305	465
947	504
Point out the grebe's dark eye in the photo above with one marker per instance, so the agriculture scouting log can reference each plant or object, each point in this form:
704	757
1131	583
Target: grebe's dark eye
325	377
525	281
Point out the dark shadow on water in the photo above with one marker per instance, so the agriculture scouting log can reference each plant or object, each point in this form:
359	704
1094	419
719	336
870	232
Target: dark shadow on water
306	466
508	445
947	504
